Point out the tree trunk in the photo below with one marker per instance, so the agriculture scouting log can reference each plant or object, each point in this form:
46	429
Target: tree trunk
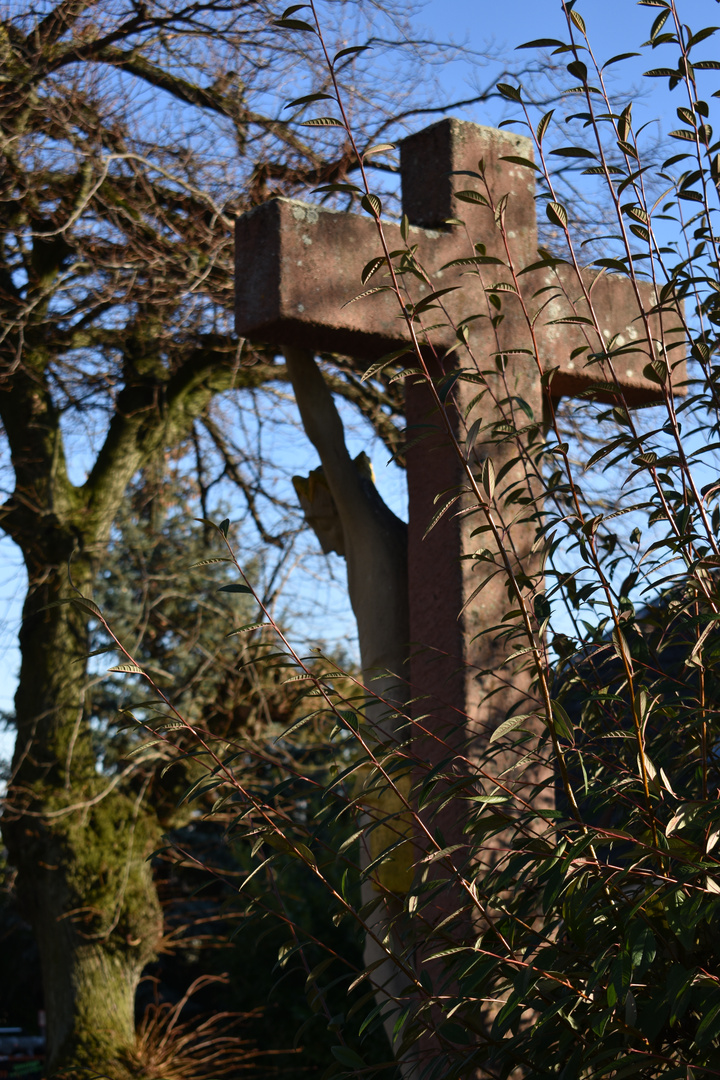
80	845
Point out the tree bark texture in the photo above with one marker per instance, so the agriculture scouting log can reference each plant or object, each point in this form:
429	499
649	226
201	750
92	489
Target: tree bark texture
80	845
81	840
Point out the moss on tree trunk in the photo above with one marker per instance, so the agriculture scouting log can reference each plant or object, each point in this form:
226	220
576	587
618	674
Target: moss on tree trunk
79	843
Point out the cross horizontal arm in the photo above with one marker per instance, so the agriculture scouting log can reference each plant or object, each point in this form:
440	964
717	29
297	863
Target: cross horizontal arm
299	265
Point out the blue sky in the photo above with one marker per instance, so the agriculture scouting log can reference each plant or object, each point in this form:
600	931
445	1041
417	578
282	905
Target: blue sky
614	26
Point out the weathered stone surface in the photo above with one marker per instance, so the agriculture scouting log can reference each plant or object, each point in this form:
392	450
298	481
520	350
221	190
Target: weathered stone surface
298	268
620	314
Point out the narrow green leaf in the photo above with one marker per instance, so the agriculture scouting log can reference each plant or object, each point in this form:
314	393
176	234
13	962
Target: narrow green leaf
474	260
427	301
708	1027
509	725
573	152
372	204
323	121
510	92
525	162
557	214
379	148
618	58
302	851
543	125
307	98
471	197
563	723
370	268
683	133
247	628
702	35
144	746
642	945
81	602
639	213
368	292
578	20
602	453
572	320
294	24
439	513
447	384
542	43
352	50
487	477
390	358
658	24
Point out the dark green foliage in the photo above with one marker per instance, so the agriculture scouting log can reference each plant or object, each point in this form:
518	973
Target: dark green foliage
20	997
304	991
163	580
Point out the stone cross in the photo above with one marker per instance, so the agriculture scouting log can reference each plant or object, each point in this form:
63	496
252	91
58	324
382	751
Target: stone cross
297	267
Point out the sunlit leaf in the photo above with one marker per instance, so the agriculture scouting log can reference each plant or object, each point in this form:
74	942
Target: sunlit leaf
379	148
510	92
372	204
368	292
509	725
471	197
323	121
525	162
543	125
557	214
370	268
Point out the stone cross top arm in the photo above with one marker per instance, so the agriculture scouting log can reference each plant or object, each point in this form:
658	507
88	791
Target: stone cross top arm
298	265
